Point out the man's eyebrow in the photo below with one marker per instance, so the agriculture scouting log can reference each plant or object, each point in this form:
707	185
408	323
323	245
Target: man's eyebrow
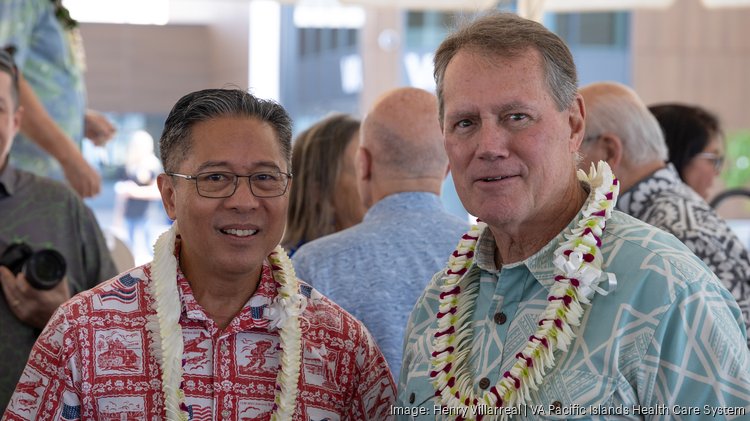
211	164
225	165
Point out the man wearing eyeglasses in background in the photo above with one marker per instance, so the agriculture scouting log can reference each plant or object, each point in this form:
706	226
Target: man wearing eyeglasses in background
217	326
622	131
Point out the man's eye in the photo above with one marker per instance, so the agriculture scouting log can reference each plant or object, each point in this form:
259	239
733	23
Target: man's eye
266	177
463	123
216	177
518	116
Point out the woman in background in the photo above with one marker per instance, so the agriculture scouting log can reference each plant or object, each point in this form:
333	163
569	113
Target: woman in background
695	141
324	198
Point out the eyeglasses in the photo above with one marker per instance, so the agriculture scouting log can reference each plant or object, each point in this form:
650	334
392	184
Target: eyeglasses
716	160
220	184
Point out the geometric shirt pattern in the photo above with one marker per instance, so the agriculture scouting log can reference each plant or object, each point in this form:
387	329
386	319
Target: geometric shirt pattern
669	339
664	201
94	360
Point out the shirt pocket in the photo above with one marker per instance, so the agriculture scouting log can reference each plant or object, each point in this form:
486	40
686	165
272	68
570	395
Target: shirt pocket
578	395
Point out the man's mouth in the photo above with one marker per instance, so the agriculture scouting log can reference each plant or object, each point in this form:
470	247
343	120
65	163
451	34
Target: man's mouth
239	233
488	179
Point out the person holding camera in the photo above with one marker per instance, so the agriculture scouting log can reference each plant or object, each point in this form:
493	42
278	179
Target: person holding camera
51	246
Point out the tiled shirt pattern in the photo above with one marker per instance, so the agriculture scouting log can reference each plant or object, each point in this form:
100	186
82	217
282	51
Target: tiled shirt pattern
377	269
44	213
665	202
45	54
669	334
94	361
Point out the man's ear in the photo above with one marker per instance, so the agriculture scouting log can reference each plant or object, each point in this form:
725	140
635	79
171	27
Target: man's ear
364	163
613	149
576	120
168	195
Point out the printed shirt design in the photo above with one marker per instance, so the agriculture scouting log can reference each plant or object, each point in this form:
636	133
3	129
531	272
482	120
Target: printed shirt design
670	335
665	202
94	360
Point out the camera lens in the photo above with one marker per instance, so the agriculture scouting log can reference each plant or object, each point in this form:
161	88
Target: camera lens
45	269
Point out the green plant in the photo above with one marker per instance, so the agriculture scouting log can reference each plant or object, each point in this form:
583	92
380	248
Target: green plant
737	170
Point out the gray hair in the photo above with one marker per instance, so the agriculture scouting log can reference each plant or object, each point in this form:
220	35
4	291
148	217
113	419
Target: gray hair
209	104
508	35
614	108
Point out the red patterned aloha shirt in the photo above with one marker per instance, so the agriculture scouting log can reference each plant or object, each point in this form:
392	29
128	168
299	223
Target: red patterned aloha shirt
93	360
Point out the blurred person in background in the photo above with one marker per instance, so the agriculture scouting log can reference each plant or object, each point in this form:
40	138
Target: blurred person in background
138	190
324	197
48	50
43	214
621	131
695	142
377	269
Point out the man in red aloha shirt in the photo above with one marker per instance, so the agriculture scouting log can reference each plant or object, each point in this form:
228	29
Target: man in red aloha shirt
217	326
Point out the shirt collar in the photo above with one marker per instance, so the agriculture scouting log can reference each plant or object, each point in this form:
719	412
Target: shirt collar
662	179
251	315
540	264
399	202
8	177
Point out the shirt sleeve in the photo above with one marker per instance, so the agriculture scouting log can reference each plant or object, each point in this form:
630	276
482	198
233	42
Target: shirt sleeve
697	364
46	389
375	392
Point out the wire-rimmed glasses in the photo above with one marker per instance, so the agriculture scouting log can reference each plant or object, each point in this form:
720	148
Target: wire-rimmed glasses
222	184
716	159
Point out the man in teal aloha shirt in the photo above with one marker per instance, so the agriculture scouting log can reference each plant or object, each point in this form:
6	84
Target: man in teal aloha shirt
48	51
507	331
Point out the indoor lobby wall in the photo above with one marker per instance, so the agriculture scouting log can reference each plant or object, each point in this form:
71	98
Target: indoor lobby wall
692	54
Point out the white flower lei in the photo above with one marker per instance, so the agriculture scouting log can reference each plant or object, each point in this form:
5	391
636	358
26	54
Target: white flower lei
166	331
578	264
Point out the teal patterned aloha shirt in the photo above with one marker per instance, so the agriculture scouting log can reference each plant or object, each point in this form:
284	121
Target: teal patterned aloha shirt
668	343
52	66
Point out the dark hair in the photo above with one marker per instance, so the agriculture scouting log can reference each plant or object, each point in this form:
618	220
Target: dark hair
687	130
7	65
209	104
508	35
316	164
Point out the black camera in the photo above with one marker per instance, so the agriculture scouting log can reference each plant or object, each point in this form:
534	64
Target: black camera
43	269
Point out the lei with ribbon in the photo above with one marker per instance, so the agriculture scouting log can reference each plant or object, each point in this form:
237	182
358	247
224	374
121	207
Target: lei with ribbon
166	332
578	262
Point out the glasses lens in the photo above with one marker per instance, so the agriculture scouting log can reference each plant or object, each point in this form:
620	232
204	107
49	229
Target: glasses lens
268	184
216	184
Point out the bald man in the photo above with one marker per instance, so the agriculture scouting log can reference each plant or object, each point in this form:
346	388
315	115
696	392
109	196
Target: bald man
622	131
377	269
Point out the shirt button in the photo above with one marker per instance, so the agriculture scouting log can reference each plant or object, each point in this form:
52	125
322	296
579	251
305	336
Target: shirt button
226	413
500	317
556	406
412	398
484	383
